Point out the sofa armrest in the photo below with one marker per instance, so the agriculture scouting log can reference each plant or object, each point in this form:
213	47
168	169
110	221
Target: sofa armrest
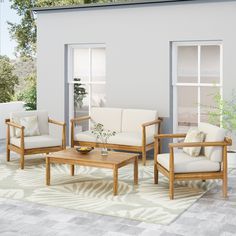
63	124
56	122
11	123
199	144
154	122
82	118
161	136
22	133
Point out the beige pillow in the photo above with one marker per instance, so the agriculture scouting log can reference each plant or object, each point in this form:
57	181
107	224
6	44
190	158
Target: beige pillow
193	135
31	126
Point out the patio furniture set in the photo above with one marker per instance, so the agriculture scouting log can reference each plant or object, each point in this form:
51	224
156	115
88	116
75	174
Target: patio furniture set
203	153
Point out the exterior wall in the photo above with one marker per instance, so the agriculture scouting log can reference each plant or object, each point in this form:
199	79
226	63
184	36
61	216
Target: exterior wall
5	110
137	42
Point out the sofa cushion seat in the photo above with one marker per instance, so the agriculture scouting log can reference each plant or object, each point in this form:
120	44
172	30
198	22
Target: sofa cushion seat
124	138
129	138
37	141
183	163
85	136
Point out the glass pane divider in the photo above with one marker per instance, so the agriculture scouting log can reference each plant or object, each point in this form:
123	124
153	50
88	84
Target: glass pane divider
197	85
83	82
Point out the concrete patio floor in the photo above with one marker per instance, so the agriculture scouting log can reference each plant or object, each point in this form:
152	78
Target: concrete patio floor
210	215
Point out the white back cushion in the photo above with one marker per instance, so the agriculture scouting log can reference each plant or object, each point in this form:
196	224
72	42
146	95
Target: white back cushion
42	119
132	120
109	117
213	134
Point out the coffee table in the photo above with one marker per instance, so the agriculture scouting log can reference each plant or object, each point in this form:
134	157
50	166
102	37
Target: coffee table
114	161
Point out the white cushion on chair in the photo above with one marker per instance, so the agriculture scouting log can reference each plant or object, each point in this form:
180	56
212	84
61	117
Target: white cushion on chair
184	163
37	141
42	119
133	119
129	138
213	134
109	117
85	136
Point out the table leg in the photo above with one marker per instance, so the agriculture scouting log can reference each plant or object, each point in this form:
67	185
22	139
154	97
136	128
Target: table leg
47	171
72	170
115	180
136	170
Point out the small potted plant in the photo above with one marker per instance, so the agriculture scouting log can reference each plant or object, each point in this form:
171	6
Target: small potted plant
103	135
224	112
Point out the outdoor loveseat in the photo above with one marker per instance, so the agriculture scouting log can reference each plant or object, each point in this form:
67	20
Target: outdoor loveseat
135	129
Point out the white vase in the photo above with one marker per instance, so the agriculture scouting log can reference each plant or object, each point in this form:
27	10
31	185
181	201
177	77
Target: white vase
104	151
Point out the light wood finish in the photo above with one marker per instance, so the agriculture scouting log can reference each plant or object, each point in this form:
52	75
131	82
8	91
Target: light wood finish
114	161
141	149
221	174
21	149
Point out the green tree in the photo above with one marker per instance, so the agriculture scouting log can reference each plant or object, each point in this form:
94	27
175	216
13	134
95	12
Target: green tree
29	94
8	80
25	32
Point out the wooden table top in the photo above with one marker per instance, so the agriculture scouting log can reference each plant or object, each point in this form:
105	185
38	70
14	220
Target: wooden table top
94	156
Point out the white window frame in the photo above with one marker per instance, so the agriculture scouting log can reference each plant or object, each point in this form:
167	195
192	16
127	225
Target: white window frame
70	80
176	84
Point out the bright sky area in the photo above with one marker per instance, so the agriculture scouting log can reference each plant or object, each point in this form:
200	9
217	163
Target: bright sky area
7	14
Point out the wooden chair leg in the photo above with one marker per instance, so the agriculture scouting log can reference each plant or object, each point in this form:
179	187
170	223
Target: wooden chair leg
156	174
171	189
144	157
225	187
225	173
8	155
22	161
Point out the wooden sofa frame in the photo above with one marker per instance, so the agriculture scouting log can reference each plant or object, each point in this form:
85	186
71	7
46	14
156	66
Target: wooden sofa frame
143	149
22	151
222	174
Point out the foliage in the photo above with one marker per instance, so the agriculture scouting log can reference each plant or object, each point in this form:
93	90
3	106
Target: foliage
102	134
79	93
8	80
29	94
224	110
25	32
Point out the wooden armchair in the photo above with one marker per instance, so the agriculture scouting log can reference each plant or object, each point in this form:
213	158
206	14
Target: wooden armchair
43	143
180	166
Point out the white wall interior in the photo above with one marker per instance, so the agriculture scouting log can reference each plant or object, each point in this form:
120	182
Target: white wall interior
137	40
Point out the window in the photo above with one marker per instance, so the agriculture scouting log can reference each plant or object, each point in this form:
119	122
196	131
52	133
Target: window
87	79
196	79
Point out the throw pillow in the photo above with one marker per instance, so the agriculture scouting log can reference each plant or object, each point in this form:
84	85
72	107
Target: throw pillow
193	135
31	126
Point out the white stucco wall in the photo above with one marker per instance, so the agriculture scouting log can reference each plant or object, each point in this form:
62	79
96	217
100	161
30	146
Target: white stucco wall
137	42
5	111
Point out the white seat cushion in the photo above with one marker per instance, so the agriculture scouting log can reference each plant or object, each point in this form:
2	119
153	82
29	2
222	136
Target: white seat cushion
42	119
133	119
184	163
85	136
109	117
131	138
38	141
213	134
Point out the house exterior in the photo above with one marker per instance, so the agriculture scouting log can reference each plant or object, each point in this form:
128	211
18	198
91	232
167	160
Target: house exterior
171	56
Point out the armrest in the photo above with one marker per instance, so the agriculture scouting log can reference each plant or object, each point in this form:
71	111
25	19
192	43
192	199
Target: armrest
160	136
80	119
56	122
154	122
199	144
63	124
10	123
